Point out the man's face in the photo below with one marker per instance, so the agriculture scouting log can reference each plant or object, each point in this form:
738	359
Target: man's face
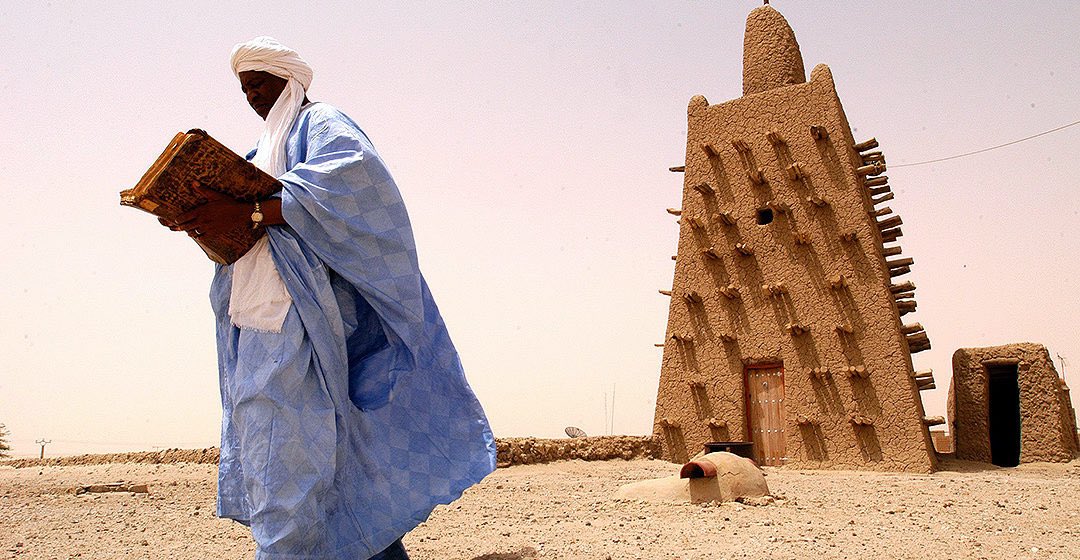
262	90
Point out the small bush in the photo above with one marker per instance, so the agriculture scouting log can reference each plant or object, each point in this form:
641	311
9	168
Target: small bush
4	447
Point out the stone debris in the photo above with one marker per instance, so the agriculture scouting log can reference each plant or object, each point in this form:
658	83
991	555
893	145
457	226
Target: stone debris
113	487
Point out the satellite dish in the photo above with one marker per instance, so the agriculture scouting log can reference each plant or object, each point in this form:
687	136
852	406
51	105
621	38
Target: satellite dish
575	432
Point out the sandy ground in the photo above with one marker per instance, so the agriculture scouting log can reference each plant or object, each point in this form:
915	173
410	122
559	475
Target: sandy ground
567	510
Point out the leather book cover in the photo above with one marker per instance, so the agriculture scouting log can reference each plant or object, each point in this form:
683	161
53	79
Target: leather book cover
194	160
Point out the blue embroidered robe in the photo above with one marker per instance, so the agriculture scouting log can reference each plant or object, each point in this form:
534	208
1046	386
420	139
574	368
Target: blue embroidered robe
343	431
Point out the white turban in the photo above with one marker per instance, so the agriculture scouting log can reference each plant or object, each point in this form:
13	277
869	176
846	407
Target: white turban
264	54
259	299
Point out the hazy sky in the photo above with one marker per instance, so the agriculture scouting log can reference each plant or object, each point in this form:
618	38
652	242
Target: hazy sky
531	142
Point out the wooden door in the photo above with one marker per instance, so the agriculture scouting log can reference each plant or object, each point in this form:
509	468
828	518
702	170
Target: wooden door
765	412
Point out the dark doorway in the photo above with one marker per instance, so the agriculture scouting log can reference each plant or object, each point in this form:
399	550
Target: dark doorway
1003	391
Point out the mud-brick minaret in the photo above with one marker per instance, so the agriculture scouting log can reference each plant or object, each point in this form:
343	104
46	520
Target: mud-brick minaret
785	322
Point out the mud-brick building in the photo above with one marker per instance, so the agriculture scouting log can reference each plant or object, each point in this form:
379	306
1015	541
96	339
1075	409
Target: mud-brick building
784	326
1008	406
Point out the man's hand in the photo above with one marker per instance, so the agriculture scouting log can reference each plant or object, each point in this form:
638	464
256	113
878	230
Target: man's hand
221	213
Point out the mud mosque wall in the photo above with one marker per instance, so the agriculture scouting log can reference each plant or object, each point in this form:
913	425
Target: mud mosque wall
785	324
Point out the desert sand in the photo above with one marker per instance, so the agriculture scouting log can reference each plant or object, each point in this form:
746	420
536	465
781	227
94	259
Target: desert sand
567	509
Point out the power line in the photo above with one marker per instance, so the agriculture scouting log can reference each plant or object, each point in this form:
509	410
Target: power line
1044	133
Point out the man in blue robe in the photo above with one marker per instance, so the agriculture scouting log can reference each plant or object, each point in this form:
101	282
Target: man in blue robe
346	414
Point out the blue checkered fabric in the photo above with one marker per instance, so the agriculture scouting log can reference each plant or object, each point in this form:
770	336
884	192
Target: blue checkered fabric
342	432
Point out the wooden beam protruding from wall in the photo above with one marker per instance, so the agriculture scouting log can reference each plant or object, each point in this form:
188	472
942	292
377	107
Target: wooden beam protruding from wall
873	157
860	419
756	176
775	290
890	222
899	271
904	287
729	291
871	169
912	328
705	189
795	171
891	235
880	199
924	380
876	191
859	372
796	329
866	145
918	342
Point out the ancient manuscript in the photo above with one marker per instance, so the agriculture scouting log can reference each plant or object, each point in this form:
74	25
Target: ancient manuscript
175	183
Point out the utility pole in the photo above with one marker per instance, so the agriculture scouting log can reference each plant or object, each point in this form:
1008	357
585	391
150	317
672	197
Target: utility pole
611	423
605	412
42	442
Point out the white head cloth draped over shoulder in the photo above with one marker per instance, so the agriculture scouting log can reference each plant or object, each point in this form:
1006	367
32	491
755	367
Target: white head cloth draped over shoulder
259	299
264	54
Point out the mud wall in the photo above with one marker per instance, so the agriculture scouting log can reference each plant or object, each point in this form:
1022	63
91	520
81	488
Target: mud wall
1047	423
781	259
511	451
